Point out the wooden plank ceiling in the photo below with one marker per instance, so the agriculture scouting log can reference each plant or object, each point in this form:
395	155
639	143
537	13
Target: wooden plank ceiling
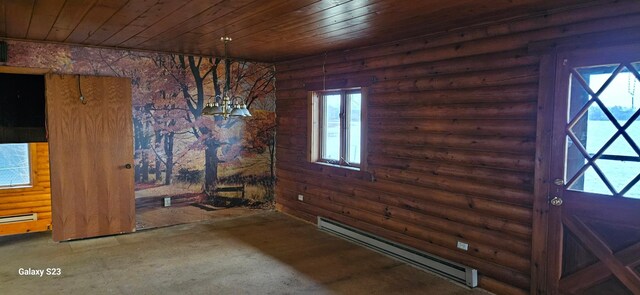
263	30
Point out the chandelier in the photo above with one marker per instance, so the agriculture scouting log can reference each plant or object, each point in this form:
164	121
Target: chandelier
230	106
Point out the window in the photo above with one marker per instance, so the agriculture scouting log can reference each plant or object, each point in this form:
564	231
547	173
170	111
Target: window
603	136
15	170
337	122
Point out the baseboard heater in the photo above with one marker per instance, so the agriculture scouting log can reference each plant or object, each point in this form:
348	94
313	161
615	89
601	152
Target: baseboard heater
415	257
19	218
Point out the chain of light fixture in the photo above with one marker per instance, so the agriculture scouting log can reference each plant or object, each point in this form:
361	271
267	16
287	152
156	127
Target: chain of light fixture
230	106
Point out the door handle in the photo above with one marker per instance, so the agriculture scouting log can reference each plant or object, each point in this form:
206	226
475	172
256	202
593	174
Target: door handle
556	201
127	166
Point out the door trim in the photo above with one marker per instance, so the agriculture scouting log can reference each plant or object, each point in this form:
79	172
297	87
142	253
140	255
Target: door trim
544	130
24	70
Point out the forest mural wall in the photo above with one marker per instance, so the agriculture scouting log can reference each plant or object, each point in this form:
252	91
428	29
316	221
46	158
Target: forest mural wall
179	152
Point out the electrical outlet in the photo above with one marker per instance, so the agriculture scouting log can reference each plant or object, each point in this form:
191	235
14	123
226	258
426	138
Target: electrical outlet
300	198
463	246
167	202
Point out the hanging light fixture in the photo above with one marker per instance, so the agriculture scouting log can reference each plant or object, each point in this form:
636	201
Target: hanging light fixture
230	106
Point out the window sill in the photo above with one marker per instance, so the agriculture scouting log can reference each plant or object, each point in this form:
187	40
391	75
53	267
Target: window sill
17	187
338	166
356	172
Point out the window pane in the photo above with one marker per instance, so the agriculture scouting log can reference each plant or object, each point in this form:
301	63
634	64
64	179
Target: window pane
619	161
355	108
14	164
331	127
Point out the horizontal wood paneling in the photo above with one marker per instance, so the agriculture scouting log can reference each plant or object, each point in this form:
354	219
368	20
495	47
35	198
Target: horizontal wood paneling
35	199
274	30
451	139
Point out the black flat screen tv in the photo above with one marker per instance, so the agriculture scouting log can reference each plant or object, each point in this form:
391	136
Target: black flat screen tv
22	108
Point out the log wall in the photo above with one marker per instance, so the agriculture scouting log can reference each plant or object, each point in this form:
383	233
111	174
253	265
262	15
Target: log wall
35	199
451	138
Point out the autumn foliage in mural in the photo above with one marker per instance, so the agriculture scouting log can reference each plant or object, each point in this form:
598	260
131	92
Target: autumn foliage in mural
178	151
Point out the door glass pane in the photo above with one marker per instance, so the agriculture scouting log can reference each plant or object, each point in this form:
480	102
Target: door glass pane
331	127
618	173
620	161
634	192
355	109
574	162
622	96
599	129
591	183
579	97
620	147
14	165
634	131
596	76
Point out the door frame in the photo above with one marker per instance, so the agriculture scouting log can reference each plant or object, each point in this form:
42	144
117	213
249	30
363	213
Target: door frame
541	217
545	221
42	224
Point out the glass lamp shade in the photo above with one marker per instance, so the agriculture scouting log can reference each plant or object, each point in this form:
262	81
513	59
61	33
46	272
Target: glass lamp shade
245	111
237	111
208	110
217	110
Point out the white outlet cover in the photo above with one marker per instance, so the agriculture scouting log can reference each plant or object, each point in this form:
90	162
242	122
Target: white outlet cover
463	246
167	202
300	198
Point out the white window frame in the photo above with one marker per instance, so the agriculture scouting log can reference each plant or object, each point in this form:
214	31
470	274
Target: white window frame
31	176
315	140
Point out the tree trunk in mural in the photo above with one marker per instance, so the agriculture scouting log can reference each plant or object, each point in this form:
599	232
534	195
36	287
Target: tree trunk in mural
144	167
211	166
158	143
144	157
168	150
271	149
137	131
141	142
272	159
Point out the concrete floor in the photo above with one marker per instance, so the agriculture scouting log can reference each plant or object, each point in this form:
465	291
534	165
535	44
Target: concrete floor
147	218
264	252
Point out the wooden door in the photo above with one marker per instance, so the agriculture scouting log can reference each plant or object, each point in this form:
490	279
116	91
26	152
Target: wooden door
91	153
594	225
